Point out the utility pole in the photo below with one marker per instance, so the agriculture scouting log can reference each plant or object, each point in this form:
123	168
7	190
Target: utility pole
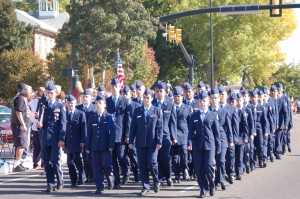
212	85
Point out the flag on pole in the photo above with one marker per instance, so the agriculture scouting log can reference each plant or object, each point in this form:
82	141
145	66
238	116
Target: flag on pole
120	70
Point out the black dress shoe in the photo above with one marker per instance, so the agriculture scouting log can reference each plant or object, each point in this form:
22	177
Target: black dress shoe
144	192
156	187
261	165
137	178
247	169
278	157
290	150
117	186
264	165
73	185
170	182
202	194
99	191
81	181
176	180
125	180
223	187
60	185
50	189
231	180
238	177
212	191
272	158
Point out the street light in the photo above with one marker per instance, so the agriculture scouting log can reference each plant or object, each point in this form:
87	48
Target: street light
211	50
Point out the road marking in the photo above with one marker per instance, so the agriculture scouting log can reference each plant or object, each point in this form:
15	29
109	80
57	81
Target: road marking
18	179
188	188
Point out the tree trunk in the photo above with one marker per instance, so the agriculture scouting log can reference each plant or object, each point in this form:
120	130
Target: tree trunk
86	76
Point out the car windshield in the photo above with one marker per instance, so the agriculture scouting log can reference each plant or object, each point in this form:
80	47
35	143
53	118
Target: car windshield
4	118
4	109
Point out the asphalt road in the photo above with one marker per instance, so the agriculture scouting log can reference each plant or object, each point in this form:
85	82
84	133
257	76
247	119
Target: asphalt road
280	179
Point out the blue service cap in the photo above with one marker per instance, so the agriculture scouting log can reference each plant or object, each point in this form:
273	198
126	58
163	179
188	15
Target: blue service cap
207	86
71	98
100	97
245	92
87	92
148	91
242	88
254	92
132	87
201	84
114	81
187	86
158	82
239	96
50	86
273	88
203	95
260	93
231	90
126	89
265	87
214	91
177	90
279	86
162	85
232	96
101	88
222	89
139	84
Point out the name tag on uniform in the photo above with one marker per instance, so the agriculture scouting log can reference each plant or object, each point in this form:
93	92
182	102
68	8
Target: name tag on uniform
167	111
104	122
94	124
259	111
57	110
138	116
195	120
152	115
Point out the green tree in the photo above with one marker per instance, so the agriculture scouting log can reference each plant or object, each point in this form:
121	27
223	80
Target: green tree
20	66
29	6
239	41
13	34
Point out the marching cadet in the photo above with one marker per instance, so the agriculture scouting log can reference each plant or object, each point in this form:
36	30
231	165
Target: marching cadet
140	89
101	90
169	134
133	91
117	105
248	147
282	121
204	139
100	143
230	153
191	101
241	137
270	106
75	141
131	152
261	130
146	131
52	137
180	154
200	87
225	126
88	108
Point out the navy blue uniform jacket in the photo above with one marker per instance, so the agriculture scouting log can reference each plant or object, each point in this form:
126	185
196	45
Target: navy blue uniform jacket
100	136
54	124
183	118
204	135
146	131
130	109
76	132
88	111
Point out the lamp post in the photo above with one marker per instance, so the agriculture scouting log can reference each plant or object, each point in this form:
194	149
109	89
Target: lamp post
211	50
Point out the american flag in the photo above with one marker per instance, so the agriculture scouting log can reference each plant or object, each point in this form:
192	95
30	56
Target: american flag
120	70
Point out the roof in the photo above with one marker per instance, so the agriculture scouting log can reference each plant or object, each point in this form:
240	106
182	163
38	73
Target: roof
36	23
56	22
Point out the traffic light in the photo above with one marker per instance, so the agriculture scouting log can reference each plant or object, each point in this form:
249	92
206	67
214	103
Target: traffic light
171	33
178	35
275	12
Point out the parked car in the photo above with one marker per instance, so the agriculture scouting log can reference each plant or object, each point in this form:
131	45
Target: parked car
5	128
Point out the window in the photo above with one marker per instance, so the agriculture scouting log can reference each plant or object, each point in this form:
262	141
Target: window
43	3
50	5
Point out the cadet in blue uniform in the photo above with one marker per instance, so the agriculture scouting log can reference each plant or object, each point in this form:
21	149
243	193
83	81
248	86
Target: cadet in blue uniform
261	130
225	126
169	134
146	132
140	89
270	106
180	154
100	143
131	152
117	105
230	153
52	137
204	139
192	102
75	141
241	137
88	108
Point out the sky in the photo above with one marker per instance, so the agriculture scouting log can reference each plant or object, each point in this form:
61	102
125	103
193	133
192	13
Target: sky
291	46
